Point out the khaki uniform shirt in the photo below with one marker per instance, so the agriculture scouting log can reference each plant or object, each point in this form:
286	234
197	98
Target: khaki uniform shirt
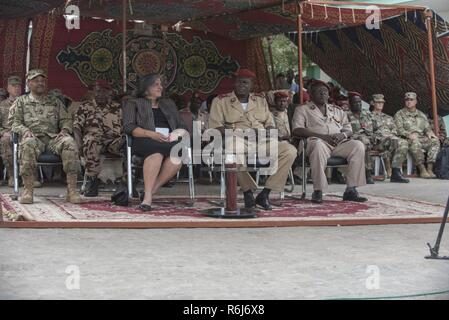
227	111
309	116
281	123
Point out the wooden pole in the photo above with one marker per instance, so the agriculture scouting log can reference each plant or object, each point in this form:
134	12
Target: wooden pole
124	20
273	72
429	15
300	66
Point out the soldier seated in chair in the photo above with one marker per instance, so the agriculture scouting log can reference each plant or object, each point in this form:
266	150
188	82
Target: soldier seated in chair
97	129
43	125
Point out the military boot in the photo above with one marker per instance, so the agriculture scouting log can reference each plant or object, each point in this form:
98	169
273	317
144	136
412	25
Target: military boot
430	170
91	187
37	184
72	194
396	176
26	196
423	172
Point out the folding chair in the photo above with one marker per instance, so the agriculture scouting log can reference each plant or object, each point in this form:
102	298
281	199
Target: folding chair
44	159
134	162
378	162
332	162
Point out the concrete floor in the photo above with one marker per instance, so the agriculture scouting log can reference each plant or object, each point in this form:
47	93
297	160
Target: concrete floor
272	263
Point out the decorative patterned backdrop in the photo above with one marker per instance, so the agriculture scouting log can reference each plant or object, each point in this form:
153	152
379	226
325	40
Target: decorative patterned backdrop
190	61
13	35
392	60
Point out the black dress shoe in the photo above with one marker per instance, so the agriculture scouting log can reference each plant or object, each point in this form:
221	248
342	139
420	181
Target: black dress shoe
396	176
91	187
353	196
263	201
317	196
250	203
144	207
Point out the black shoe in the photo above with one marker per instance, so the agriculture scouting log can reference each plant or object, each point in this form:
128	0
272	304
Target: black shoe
369	178
317	196
353	196
144	207
91	187
396	176
263	201
250	203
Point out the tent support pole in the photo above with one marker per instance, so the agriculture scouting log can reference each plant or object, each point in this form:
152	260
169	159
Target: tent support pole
270	54
429	15
124	19
300	66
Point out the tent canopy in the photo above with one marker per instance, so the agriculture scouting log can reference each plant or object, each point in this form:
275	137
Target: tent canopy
236	19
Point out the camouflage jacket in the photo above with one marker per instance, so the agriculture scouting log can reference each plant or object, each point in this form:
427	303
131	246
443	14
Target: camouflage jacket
104	122
383	126
408	122
362	126
442	130
5	106
46	117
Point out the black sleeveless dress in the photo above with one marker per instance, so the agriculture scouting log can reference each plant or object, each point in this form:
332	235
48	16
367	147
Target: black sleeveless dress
144	147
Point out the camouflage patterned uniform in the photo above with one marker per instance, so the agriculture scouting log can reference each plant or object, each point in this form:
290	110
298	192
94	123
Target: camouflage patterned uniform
101	131
45	119
362	129
408	122
5	134
444	139
385	134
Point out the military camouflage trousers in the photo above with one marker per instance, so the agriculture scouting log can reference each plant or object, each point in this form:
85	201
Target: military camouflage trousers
6	150
65	147
394	150
94	146
423	145
369	164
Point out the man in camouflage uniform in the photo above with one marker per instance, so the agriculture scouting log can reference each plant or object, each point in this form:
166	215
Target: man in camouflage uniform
442	132
97	129
3	94
43	125
14	89
280	115
386	141
362	128
413	125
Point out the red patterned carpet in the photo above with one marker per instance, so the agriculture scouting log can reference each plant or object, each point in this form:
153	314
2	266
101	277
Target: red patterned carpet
48	211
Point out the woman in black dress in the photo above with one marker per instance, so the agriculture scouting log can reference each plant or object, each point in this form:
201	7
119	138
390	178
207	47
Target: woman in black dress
155	126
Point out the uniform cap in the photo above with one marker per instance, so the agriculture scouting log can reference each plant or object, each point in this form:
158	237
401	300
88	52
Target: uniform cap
35	73
13	80
378	98
280	94
245	73
410	96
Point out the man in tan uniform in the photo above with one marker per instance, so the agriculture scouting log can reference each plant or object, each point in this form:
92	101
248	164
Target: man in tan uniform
280	116
244	110
328	133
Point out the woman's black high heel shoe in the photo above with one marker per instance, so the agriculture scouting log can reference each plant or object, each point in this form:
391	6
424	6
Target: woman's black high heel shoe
144	207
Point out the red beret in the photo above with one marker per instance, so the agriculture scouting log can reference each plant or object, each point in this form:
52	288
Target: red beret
352	94
245	73
103	84
315	83
306	96
280	94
